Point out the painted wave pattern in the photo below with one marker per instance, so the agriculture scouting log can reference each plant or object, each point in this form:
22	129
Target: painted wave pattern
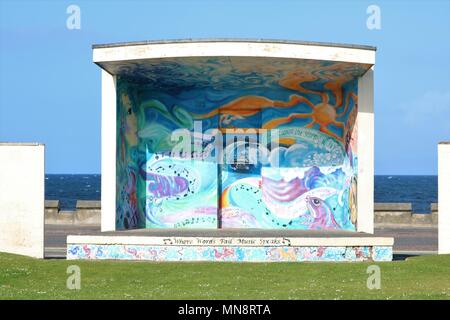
313	185
180	193
231	254
295	195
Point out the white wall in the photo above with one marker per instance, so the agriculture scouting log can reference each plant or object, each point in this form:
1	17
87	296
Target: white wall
365	194
22	199
108	152
444	197
233	49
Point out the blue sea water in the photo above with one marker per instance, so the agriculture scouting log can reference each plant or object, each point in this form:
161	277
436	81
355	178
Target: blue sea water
418	190
68	188
421	191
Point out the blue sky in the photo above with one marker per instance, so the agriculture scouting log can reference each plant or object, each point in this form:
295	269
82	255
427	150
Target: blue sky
50	89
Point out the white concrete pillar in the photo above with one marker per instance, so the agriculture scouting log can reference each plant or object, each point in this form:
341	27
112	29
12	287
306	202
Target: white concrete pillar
108	213
365	193
444	197
22	196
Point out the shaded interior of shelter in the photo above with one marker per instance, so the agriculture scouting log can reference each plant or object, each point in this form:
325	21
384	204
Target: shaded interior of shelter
288	132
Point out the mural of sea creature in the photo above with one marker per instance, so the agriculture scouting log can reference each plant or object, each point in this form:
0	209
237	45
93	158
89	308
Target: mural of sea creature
298	206
252	202
322	216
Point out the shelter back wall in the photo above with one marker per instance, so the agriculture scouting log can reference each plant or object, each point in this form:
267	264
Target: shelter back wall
313	104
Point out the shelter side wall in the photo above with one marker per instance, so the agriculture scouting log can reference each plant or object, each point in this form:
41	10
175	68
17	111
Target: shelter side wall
443	197
108	165
365	143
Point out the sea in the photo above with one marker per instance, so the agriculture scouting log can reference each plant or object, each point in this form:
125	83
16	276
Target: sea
421	191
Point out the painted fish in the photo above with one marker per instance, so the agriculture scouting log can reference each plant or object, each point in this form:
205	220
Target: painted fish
298	206
323	217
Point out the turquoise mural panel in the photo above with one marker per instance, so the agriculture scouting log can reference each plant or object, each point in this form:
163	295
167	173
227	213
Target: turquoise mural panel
180	193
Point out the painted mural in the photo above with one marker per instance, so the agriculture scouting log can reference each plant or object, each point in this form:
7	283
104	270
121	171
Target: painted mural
128	208
306	180
230	254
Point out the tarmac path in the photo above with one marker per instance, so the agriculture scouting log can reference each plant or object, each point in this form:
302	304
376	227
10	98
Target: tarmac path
407	240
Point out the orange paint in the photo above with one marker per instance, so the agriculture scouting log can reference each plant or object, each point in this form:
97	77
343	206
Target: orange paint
250	105
323	114
286	141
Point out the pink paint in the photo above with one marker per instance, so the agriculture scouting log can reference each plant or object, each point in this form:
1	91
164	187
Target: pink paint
189	214
234	217
227	252
321	213
283	191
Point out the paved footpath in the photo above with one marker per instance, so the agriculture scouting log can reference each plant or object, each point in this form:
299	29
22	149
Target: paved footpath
56	235
407	240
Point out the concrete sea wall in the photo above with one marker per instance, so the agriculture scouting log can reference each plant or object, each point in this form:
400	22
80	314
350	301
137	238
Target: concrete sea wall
88	213
401	213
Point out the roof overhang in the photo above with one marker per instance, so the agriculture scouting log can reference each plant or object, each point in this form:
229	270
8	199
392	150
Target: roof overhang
144	57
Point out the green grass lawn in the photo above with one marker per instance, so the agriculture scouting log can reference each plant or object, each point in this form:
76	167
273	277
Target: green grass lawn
425	277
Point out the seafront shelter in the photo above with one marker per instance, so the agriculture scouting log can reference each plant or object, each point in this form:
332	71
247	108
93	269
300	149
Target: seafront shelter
236	150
